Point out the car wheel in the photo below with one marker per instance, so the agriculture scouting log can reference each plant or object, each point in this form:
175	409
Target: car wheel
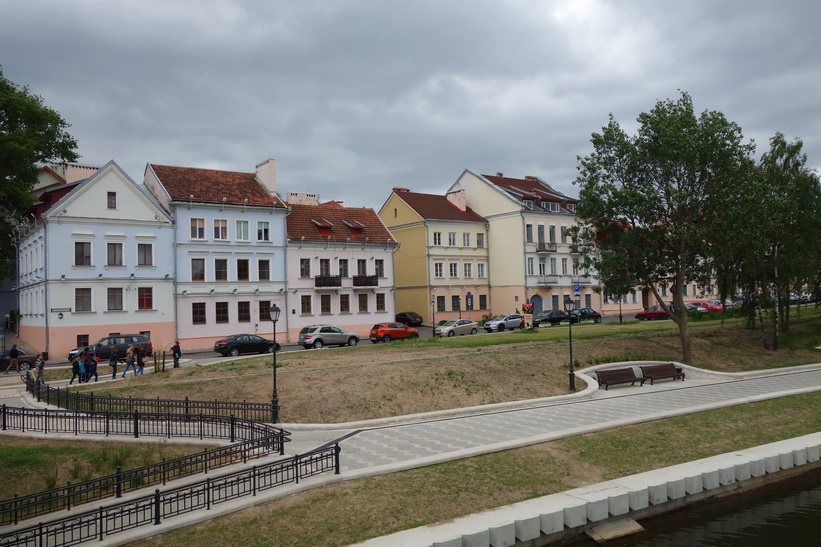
473	331
501	328
353	340
451	333
413	336
317	344
597	320
233	352
269	349
387	338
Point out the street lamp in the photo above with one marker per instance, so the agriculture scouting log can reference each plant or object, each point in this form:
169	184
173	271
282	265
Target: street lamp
568	306
274	311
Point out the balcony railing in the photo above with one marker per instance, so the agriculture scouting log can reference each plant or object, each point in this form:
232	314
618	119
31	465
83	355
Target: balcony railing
326	281
365	281
546	247
547	279
580	249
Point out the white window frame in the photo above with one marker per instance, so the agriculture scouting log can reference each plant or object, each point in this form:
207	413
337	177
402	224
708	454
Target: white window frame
263	225
220	229
438	270
243	233
453	269
197	231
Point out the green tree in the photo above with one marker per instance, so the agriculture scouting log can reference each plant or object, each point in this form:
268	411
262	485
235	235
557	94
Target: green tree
647	199
30	134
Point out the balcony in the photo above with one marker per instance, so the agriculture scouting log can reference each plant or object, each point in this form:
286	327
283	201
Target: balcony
580	249
546	247
547	280
365	281
327	281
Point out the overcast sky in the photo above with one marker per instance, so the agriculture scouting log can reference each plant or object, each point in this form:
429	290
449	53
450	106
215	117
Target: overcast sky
353	98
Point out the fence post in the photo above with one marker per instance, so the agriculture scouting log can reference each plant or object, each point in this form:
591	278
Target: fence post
91	403
208	493
76	422
100	523
233	425
296	468
156	506
281	439
23	418
337	450
253	481
186	406
4	417
136	424
45	421
119	482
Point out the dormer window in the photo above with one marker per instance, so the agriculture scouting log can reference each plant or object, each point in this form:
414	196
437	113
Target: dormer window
551	206
528	203
571	207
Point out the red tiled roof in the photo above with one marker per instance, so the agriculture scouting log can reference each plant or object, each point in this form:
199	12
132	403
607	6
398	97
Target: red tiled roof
342	224
434	207
211	186
530	188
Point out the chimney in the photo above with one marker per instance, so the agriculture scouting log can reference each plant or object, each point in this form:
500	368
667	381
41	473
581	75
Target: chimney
266	173
298	198
398	189
531	177
458	199
499	174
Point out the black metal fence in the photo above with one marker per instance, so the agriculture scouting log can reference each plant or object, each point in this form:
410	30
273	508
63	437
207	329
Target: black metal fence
257	440
258	412
96	524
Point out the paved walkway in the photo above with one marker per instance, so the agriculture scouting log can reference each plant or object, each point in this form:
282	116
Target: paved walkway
382	446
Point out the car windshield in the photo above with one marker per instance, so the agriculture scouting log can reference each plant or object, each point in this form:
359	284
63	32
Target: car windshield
500	318
449	324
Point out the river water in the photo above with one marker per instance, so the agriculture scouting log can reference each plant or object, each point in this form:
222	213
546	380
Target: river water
786	513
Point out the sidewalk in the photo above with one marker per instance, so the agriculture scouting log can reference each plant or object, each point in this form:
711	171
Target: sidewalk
377	447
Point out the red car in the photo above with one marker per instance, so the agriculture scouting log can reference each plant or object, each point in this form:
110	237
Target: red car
386	332
709	306
653	312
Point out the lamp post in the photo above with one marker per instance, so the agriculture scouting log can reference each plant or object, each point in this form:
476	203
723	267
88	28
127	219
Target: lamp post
274	311
568	306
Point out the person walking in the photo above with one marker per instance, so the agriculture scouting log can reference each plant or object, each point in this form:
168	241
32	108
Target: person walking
113	361
176	352
14	354
75	370
140	360
129	360
91	369
40	369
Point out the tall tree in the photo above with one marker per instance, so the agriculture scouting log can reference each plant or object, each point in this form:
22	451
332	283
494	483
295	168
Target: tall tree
647	198
30	134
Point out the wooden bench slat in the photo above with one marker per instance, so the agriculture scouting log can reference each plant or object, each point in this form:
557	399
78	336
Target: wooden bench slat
614	376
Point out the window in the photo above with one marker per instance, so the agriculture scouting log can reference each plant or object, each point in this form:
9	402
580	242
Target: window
437	238
82	253
197	269
145	298
530	265
564	266
482	301
575	268
542	267
363	303
529	233
452	239
343	267
325	267
221	269
379	266
242	230
664	290
465	239
111	200
264	270
564	234
468	267
305	304
114	296
304	267
380	302
197	228
222	312
635	296
528	204
480	241
244	312
454	269
541	233
243	269
263	231
264	314
344	303
220	229
588	300
685	290
455	303
552	234
551	206
82	340
480	269
198	313
361	266
145	254
82	299
572	207
440	303
438	270
324	303
553	269
114	254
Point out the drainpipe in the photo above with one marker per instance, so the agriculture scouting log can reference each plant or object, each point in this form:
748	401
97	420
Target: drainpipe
285	276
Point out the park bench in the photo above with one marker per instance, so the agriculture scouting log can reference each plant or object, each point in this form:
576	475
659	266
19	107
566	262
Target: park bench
614	376
660	372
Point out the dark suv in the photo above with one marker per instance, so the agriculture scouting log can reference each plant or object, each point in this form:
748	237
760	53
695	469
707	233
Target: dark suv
102	347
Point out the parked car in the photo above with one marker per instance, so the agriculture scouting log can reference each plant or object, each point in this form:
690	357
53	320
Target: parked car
716	304
554	317
102	347
694	308
459	326
244	343
409	318
317	336
653	312
25	359
708	306
586	313
387	332
509	321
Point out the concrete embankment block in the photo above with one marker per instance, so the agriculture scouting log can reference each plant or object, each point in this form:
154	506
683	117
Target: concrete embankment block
503	536
813	453
657	493
552	522
676	489
800	456
773	464
787	460
758	467
743	471
478	539
456	542
528	528
726	475
693	484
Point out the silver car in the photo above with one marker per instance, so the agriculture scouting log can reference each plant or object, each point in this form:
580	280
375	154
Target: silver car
317	336
457	327
510	321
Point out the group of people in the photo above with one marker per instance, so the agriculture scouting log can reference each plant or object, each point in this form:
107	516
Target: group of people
84	366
